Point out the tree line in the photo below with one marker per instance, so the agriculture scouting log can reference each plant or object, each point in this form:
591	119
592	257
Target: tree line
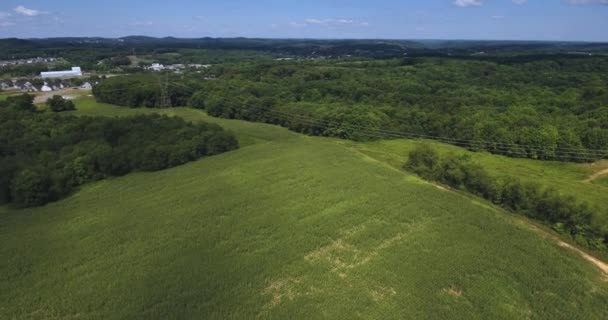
552	109
136	91
45	156
564	213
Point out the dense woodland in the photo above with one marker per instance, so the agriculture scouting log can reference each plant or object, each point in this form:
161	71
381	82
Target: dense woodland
541	107
564	213
45	156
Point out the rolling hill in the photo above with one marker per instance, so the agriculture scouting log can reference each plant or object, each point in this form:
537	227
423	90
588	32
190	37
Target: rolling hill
287	227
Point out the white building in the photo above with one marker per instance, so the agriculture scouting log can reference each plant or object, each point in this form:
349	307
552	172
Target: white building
75	72
156	67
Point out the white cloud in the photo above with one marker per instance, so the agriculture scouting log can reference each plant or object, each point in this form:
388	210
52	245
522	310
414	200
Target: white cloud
331	22
520	2
468	3
28	12
297	24
4	15
142	23
314	21
6	23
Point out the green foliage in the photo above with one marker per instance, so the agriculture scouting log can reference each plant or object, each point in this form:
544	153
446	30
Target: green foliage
531	199
129	91
30	188
24	102
45	156
519	109
59	104
424	160
290	227
140	91
198	100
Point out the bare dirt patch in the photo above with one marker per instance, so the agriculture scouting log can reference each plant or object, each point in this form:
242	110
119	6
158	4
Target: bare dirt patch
452	291
280	290
598	263
342	256
382	293
70	93
596	175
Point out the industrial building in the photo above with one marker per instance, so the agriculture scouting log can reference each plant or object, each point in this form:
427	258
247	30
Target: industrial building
75	72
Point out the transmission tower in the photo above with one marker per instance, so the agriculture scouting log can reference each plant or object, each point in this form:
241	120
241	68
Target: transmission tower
163	82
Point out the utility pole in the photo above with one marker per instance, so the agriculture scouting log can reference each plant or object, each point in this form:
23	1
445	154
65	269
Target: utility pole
163	82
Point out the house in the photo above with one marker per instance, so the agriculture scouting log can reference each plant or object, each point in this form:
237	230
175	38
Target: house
46	88
156	67
75	72
86	86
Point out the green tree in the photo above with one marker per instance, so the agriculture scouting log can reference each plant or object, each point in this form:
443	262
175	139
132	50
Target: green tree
30	188
198	100
424	160
58	104
24	102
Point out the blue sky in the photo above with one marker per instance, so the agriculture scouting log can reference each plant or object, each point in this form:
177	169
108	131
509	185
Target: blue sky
585	20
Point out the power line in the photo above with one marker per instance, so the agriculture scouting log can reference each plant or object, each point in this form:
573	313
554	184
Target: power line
165	100
470	142
379	134
565	153
451	140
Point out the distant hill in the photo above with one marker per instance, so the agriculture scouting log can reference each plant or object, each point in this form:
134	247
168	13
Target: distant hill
375	48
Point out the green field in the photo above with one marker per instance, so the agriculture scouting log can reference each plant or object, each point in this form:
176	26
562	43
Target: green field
602	182
287	227
3	96
568	178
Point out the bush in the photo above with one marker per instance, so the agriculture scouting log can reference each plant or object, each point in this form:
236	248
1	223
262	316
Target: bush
198	100
30	188
564	213
137	91
424	160
44	156
24	102
59	104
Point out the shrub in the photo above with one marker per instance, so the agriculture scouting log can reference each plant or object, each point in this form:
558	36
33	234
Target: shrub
44	156
59	104
564	213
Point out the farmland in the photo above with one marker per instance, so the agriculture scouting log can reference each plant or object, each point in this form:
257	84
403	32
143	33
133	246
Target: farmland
291	226
568	178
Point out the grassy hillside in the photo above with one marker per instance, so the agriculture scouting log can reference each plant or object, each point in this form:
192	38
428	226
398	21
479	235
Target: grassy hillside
603	181
568	178
286	227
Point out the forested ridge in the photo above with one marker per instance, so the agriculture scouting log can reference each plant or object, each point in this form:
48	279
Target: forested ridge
45	156
552	108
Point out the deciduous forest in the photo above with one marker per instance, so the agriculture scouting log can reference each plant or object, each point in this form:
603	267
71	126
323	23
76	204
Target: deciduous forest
551	108
45	156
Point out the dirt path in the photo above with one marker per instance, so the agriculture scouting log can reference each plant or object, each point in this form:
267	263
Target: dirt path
41	97
543	233
597	175
600	264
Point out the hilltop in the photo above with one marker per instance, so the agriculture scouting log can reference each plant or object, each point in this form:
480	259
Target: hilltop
288	226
